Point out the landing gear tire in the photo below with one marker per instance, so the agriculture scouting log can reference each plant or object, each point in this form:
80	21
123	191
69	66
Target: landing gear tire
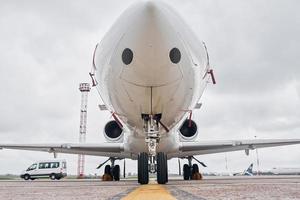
107	169
162	168
143	172
195	169
195	173
116	172
107	174
186	172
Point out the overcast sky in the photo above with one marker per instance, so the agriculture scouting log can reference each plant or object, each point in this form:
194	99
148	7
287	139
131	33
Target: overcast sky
46	51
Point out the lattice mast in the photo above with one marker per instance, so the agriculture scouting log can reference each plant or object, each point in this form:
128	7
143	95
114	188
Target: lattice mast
84	89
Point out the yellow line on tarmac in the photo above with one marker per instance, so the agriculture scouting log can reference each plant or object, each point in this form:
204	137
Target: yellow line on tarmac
151	191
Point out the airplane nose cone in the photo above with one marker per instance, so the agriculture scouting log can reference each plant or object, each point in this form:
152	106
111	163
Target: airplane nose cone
146	45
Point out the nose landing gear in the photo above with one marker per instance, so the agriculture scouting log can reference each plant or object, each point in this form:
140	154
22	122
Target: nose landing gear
152	162
160	167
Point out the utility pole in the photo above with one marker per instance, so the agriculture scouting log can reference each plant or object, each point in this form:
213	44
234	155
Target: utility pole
226	163
84	89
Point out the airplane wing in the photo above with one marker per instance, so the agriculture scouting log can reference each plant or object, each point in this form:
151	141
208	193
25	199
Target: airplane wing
210	147
104	149
185	148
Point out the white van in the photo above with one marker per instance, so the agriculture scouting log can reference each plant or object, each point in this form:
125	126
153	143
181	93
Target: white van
53	169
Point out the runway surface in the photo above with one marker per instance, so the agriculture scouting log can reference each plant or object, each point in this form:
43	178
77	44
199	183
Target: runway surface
262	187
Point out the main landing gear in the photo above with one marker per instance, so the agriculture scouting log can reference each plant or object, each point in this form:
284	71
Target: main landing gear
191	171
111	172
152	162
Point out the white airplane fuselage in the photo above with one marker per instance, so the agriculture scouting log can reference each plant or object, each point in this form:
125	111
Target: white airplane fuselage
138	74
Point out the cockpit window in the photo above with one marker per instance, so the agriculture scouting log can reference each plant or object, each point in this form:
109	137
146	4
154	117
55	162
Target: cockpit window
127	56
175	55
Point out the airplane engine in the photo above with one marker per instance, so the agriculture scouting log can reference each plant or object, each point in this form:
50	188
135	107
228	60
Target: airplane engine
188	130
113	132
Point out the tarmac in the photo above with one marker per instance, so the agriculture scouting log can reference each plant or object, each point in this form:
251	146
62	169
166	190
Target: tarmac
240	187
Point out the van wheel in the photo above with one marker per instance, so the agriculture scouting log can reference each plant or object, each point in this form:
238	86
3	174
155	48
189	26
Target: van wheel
52	177
26	177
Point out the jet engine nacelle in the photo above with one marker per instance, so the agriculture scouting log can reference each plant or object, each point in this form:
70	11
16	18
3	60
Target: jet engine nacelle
113	132
188	130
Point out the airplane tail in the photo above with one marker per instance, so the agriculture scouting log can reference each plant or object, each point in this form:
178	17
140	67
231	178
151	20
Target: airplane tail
249	171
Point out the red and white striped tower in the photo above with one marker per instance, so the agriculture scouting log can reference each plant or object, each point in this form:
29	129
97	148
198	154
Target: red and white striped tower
84	89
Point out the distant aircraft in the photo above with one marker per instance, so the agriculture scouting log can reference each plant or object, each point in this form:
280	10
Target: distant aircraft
283	171
247	172
150	71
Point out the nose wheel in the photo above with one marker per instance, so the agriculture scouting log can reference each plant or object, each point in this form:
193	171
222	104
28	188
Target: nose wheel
143	171
152	162
162	168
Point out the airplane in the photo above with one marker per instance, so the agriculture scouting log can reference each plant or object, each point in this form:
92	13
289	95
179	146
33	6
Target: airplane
247	172
281	171
151	70
285	171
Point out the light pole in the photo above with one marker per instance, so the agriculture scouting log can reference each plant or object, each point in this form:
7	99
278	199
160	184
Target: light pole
257	160
226	163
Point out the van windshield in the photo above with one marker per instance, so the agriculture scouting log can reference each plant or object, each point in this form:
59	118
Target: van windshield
32	167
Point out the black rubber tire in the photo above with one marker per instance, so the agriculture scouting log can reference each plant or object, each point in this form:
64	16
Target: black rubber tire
143	172
52	176
162	168
167	169
26	177
139	169
107	169
116	172
195	169
186	172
